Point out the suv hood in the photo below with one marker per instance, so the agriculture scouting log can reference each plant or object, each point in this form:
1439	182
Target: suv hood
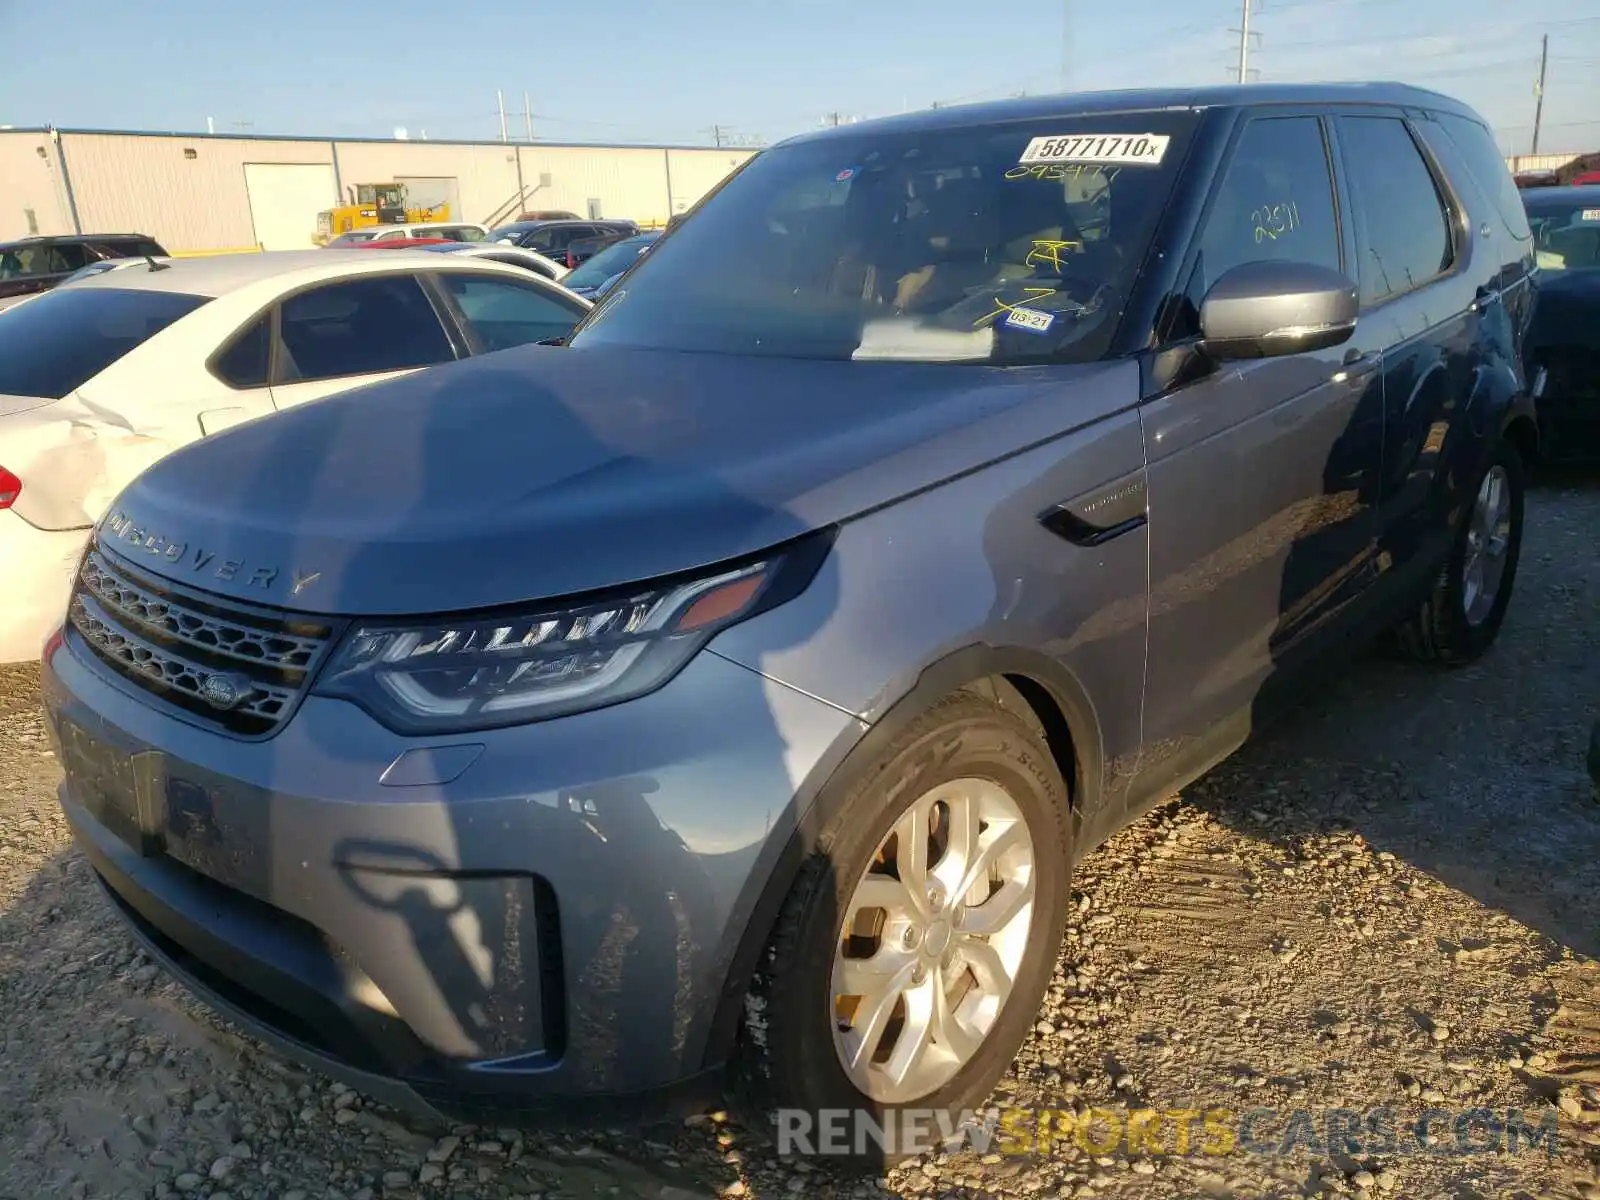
544	471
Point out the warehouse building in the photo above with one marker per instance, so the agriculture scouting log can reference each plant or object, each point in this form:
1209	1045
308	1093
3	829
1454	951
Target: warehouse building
204	193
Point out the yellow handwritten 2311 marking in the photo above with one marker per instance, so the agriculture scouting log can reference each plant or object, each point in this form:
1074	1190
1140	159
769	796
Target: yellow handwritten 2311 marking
1046	252
1003	307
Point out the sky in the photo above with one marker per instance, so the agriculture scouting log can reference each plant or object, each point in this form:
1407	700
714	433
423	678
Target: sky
686	71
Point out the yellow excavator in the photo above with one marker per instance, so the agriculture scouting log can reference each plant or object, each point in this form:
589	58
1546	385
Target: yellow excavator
376	204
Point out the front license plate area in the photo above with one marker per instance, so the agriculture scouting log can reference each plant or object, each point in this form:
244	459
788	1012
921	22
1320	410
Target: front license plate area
123	791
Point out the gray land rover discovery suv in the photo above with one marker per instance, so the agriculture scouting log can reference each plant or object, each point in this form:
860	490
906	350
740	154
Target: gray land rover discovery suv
942	494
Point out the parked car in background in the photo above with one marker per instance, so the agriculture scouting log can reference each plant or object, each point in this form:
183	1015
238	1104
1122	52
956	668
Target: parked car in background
581	250
612	260
1564	344
504	252
551	238
102	377
1586	179
37	264
455	231
948	492
115	264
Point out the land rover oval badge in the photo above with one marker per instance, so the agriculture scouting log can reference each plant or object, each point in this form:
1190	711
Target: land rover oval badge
225	691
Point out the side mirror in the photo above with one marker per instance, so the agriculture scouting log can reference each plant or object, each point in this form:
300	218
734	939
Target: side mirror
1269	308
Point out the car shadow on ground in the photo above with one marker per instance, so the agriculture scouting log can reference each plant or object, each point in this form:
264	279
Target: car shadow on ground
1461	773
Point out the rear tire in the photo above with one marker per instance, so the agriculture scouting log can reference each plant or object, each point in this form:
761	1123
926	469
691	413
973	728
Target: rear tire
919	933
1462	614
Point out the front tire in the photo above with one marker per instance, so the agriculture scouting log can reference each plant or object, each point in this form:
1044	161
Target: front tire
1463	612
912	954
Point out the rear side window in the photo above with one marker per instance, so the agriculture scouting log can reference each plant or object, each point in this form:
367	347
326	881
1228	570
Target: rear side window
504	313
358	327
1275	204
1405	234
64	338
1488	169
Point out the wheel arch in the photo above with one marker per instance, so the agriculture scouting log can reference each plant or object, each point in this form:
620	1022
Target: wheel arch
1521	430
1038	688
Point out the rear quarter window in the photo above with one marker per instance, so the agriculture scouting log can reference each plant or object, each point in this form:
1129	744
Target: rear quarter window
1488	170
58	342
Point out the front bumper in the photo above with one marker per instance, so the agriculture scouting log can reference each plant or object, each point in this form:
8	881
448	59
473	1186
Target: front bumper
532	920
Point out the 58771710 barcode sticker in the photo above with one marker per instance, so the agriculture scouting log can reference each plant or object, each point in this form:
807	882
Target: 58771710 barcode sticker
1124	149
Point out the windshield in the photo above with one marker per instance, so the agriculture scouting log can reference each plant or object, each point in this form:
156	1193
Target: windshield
613	260
63	339
1566	237
998	244
356	235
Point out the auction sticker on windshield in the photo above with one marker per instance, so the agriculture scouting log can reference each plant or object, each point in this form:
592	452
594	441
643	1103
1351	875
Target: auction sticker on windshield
1590	214
1131	149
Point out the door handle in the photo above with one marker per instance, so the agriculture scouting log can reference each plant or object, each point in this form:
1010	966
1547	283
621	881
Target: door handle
1357	364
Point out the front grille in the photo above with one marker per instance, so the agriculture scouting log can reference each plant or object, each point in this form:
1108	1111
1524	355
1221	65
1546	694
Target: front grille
253	663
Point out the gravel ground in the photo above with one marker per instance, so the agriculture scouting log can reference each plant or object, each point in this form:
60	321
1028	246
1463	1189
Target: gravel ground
1392	899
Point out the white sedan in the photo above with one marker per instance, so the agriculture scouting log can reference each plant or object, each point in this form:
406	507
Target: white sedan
101	377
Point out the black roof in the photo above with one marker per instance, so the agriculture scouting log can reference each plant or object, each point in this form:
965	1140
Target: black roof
38	238
1148	99
1584	196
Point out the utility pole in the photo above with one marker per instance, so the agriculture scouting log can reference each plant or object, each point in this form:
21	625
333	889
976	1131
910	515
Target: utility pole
527	113
1538	90
500	99
1244	44
716	135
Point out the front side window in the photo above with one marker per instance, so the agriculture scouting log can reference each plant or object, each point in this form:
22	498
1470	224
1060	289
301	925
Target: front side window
27	262
1405	234
359	327
1275	203
994	243
64	338
505	313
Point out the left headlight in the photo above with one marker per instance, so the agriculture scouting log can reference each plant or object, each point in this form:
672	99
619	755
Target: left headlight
477	672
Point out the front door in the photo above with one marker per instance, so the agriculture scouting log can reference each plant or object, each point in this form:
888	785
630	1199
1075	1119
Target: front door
1262	474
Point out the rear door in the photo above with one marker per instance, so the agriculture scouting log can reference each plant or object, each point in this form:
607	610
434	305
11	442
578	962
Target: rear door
244	365
1262	473
1420	302
352	332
